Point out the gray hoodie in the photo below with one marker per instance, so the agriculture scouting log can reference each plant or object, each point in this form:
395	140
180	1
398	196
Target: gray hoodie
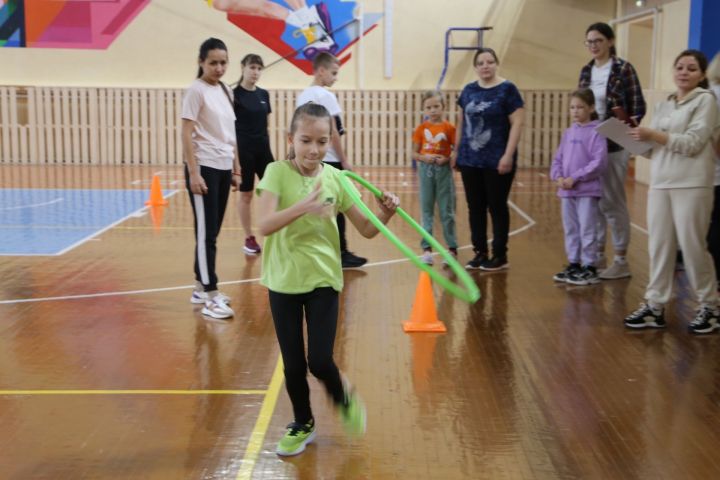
688	158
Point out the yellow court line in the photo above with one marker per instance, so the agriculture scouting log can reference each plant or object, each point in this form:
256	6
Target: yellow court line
133	392
263	422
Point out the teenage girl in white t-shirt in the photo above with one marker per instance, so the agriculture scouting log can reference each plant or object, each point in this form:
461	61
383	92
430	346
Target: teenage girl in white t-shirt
211	167
614	83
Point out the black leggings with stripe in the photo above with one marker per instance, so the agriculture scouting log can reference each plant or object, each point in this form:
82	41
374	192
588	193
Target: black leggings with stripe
208	210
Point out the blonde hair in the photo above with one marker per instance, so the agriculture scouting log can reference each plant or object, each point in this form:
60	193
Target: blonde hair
713	71
428	94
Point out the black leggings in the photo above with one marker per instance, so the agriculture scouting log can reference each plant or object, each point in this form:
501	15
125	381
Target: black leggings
208	210
486	189
321	313
713	237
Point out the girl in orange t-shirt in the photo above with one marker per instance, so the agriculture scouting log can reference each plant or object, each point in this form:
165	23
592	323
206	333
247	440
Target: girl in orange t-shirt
433	142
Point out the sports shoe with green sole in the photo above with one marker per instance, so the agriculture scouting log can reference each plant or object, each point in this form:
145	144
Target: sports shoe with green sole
297	437
353	415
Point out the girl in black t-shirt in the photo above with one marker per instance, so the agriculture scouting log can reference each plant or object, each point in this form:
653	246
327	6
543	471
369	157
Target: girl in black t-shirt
252	107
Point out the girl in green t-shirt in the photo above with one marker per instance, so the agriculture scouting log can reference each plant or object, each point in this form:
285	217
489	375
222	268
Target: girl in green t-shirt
299	201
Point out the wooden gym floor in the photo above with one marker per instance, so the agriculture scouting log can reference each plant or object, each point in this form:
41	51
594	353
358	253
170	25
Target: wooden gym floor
108	372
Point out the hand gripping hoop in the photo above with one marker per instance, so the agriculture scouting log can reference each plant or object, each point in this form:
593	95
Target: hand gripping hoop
469	294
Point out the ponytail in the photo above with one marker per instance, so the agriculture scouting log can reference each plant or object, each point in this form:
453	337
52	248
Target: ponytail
209	44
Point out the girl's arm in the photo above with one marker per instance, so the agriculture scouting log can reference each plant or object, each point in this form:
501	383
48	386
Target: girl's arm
556	167
690	142
273	219
388	204
420	158
634	94
517	118
236	170
597	162
197	183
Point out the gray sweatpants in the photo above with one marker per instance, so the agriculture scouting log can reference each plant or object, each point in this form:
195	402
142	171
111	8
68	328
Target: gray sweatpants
613	203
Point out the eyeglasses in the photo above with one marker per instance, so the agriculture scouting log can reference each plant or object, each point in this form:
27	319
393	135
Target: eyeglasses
590	43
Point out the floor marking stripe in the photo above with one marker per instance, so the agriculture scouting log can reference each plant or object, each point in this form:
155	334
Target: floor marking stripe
132	392
257	436
34	205
530	224
639	228
103	230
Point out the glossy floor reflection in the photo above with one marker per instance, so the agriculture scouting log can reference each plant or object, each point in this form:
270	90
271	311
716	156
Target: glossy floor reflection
107	371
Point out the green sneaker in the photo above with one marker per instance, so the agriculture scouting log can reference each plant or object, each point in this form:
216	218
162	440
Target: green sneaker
296	438
353	415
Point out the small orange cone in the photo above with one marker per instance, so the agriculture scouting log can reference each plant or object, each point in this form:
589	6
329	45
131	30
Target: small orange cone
156	196
423	317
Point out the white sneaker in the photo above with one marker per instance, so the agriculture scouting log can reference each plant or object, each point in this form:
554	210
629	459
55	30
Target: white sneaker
616	271
217	307
198	297
427	258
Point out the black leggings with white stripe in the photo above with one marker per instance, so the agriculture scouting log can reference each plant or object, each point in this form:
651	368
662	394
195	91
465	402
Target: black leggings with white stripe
209	210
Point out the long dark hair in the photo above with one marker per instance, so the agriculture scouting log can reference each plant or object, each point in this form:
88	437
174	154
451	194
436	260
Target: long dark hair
209	44
702	63
250	59
586	96
606	31
310	109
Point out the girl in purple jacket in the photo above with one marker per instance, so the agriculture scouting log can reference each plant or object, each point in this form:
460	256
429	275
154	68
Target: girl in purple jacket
576	169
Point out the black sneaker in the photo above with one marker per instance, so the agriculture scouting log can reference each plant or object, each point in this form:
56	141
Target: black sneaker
477	260
495	264
706	321
587	275
562	276
646	317
350	260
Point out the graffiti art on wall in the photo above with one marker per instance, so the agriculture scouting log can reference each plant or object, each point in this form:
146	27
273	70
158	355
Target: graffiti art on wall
65	23
298	30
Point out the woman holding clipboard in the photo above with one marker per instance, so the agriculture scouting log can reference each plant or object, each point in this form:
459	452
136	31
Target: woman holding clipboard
617	94
680	198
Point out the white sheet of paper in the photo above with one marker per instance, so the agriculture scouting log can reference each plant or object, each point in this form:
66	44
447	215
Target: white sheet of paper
619	132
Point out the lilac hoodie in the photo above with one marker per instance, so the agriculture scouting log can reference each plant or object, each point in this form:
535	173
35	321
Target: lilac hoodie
582	155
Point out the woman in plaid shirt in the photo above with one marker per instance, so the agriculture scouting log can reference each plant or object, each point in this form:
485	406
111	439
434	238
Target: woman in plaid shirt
615	84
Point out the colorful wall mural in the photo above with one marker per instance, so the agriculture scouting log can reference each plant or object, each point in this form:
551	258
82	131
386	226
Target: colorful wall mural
84	24
298	30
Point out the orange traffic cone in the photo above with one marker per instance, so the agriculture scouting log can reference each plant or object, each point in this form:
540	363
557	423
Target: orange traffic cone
156	196
423	317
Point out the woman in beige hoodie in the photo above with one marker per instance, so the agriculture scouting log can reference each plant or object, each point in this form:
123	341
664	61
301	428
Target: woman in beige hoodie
680	198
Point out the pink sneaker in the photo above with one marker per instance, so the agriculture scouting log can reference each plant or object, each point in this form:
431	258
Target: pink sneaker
251	246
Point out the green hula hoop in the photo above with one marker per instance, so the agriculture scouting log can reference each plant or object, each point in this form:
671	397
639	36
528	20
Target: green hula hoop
469	294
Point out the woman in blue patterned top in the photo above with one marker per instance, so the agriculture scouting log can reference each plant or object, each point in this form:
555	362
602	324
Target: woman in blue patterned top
489	126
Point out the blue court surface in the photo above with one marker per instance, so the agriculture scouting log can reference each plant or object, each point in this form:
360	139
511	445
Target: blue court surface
54	221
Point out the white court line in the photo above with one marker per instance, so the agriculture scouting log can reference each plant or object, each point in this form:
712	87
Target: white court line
524	215
103	230
640	228
34	205
137	213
